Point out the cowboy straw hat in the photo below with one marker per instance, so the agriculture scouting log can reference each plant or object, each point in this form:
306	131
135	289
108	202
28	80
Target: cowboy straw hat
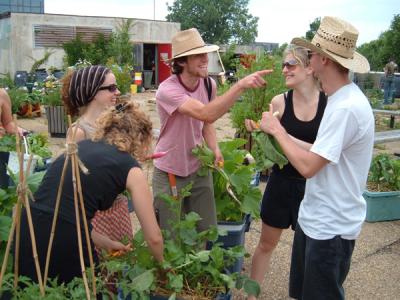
336	39
189	42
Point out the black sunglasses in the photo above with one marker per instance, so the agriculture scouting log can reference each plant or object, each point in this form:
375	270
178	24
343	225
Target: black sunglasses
290	63
310	54
111	88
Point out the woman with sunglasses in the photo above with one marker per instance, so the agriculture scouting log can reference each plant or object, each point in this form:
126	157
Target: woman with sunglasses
86	93
300	112
122	137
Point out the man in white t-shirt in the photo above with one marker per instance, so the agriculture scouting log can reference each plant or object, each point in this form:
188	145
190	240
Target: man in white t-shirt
333	209
187	116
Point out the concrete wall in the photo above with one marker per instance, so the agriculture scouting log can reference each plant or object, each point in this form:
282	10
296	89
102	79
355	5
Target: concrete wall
5	44
22	36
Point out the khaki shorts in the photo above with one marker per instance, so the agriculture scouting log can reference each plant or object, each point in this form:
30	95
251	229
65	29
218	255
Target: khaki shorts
200	201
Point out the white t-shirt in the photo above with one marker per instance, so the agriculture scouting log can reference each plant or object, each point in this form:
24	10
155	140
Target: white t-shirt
333	203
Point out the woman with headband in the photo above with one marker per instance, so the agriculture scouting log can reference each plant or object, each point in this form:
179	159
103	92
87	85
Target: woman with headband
86	93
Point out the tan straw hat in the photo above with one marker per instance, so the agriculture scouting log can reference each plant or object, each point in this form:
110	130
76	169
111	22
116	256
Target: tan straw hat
189	42
336	39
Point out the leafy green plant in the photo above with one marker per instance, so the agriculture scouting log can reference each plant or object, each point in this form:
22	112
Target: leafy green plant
38	144
374	96
18	97
266	151
188	270
52	96
255	101
384	173
6	81
122	76
234	196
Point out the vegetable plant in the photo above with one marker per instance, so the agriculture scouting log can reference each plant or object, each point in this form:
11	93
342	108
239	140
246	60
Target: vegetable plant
384	173
188	270
234	196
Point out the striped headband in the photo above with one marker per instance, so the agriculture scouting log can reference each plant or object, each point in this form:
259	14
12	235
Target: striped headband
85	83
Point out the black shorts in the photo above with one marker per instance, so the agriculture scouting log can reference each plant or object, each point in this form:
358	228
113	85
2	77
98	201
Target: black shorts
281	201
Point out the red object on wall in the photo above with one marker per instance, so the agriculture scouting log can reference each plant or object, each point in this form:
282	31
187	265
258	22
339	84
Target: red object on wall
164	52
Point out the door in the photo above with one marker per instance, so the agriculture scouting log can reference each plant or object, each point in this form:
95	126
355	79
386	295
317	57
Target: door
164	52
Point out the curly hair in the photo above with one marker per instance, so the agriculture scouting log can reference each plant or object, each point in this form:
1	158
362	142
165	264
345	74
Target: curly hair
66	80
126	127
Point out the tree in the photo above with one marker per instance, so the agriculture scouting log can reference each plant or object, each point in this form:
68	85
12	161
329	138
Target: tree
121	48
378	52
219	22
313	29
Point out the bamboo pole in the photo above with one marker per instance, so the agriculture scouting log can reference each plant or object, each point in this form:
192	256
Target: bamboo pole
53	225
18	209
78	228
31	229
89	246
76	205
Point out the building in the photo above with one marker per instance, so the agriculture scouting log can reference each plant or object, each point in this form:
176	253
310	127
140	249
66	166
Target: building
25	37
25	6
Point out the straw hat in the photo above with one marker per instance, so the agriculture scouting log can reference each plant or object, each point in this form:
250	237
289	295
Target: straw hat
189	42
336	39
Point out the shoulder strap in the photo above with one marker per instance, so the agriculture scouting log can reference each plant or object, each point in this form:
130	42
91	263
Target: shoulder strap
208	85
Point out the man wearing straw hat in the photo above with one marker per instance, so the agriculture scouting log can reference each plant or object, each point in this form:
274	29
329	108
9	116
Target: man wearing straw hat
187	115
333	209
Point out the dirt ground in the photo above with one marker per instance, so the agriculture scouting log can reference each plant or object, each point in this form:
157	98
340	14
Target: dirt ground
375	272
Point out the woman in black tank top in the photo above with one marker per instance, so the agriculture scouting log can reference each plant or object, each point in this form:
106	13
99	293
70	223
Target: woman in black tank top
300	112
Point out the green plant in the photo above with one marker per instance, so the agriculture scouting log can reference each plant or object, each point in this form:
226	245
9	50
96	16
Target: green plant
266	151
234	196
52	96
122	76
38	144
18	97
188	270
384	172
6	81
255	101
120	46
37	63
374	96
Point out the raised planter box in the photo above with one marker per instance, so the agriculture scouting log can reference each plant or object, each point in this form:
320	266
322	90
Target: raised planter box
382	206
235	237
56	121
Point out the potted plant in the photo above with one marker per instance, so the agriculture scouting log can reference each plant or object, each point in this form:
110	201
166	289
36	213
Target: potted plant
188	271
237	201
383	189
55	111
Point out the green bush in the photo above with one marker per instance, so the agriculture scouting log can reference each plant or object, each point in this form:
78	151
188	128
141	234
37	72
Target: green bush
122	75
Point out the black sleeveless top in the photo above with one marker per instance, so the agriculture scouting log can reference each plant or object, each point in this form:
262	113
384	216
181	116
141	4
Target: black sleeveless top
302	130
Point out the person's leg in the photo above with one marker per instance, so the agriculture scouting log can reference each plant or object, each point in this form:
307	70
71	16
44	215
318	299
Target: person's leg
161	186
386	91
202	201
392	91
297	265
262	255
327	264
3	169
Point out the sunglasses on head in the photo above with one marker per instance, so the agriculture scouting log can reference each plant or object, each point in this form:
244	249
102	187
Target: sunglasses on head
111	88
290	63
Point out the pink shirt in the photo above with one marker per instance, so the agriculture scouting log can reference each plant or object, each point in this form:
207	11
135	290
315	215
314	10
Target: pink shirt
178	131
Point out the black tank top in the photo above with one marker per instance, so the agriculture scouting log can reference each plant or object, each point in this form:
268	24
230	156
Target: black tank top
303	130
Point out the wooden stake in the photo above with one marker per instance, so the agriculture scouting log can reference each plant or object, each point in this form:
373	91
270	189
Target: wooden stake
53	225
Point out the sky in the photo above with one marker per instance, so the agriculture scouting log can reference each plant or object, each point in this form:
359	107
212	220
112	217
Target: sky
279	20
